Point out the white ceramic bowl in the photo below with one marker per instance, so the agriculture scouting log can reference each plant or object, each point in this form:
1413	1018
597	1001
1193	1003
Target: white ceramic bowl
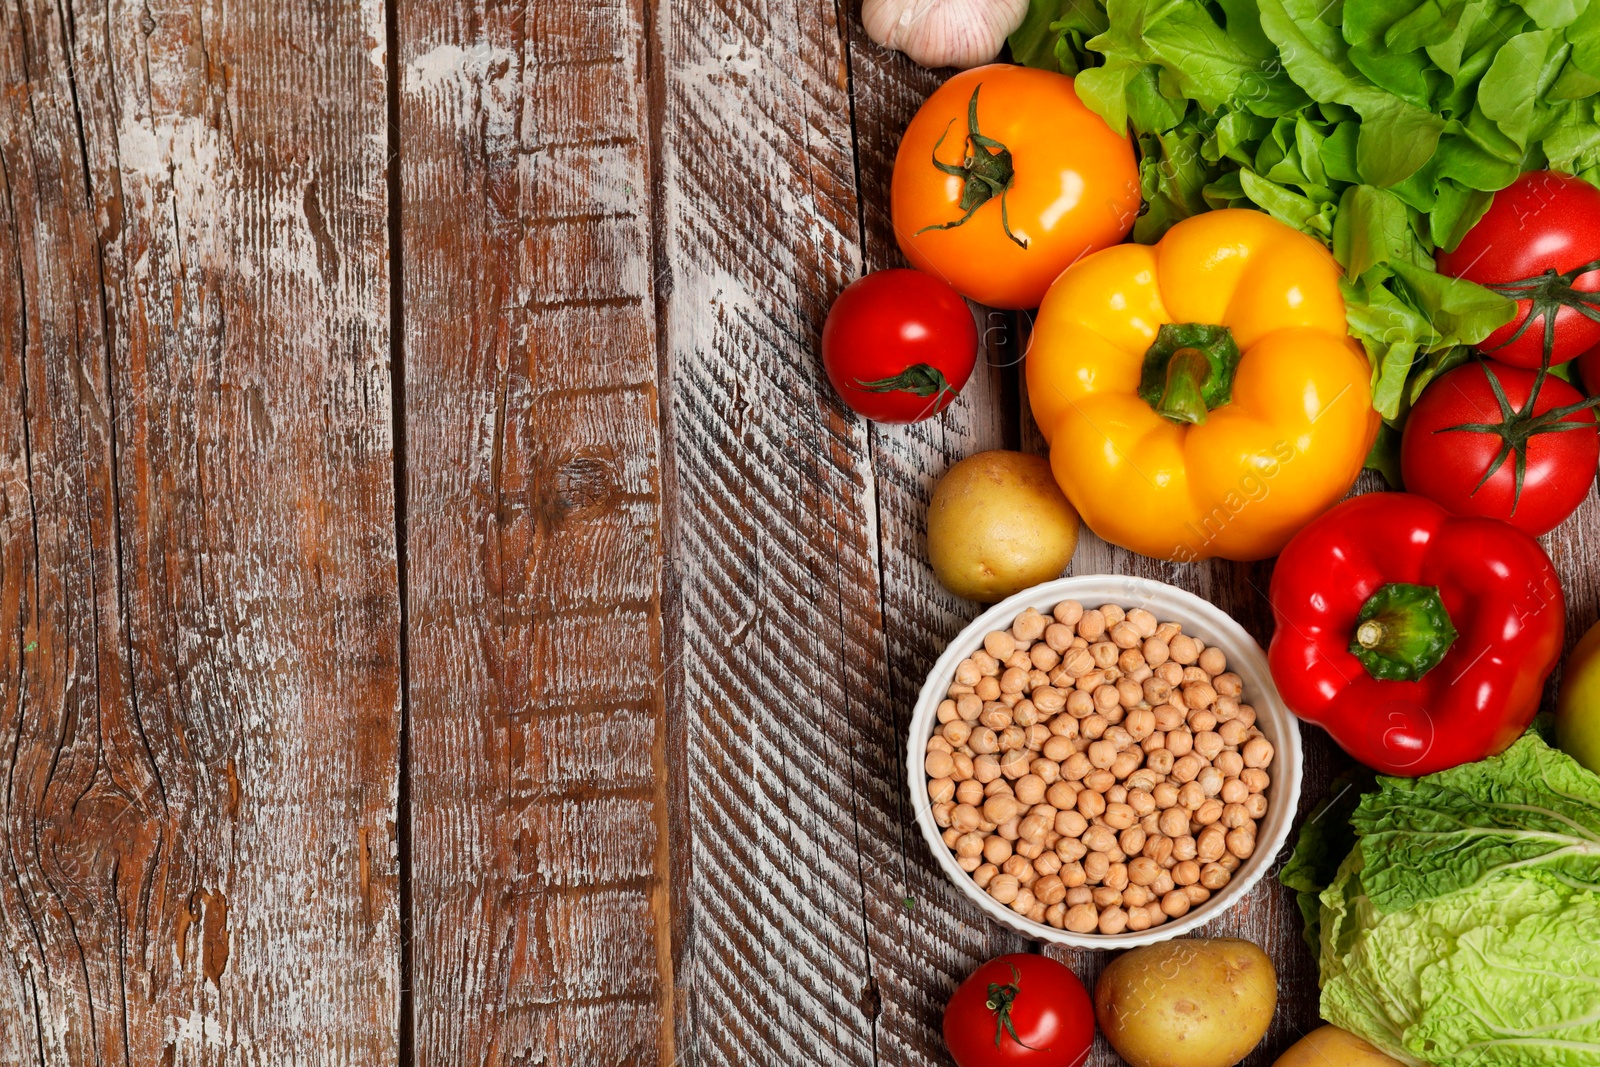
1168	604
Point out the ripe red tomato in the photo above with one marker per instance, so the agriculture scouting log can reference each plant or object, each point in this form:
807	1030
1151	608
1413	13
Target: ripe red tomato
1541	222
1466	438
1020	1010
899	345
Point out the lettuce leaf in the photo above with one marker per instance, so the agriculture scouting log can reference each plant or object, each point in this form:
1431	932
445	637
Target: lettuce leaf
1462	927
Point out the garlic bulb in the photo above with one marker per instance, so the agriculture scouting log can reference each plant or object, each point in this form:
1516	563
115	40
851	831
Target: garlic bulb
943	33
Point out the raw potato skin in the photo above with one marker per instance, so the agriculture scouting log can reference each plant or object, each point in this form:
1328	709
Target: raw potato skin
997	524
1187	1003
1329	1046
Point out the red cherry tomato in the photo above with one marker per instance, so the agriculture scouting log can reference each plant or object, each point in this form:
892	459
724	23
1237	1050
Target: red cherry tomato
1541	222
1462	429
899	345
1020	1010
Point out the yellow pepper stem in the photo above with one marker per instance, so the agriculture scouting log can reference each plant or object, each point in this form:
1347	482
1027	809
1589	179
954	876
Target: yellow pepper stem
1184	400
1189	370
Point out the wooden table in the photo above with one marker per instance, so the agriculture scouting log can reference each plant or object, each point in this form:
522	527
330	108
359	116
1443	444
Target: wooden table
447	618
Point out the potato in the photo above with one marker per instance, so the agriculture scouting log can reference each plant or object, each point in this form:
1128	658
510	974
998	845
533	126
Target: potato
1187	1003
998	524
1329	1046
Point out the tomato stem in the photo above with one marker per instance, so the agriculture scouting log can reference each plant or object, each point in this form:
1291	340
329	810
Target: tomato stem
1001	997
986	169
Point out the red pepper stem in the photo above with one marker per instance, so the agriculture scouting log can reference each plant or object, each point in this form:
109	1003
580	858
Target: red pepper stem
1402	632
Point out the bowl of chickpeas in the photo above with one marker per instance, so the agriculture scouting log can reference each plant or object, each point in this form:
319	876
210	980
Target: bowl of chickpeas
1103	761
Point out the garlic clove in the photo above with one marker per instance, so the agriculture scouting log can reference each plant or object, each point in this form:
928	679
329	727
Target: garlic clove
943	33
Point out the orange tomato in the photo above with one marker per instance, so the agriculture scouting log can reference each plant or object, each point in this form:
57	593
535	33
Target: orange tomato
1045	180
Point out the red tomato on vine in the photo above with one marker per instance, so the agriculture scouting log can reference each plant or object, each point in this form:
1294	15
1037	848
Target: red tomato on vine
899	345
1539	243
1020	1010
1475	444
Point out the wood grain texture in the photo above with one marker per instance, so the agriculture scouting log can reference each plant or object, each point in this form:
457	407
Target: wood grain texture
783	705
920	933
537	737
199	693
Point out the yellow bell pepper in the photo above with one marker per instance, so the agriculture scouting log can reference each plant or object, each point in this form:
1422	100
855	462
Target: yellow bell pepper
1202	396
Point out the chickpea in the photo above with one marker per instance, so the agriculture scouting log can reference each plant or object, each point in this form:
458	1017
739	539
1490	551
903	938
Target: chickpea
1214	876
1180	742
1241	843
1119	816
943	815
1183	649
1106	897
1061	795
987	689
1247	715
999	644
1071	824
1235	815
1195	695
1184	848
1256	805
1019	868
982	740
1228	684
1081	894
1257	752
1001	807
1156	692
1229	862
1101	781
1160	761
1099	839
1174	822
1046	770
1129	692
1169	716
1075	766
1198	894
1047	864
1029	625
1230	763
1234	791
1131	841
1072	874
996	716
960	766
1212	661
1093	727
1080	704
1208	812
1082	918
1113	920
1175	903
1029	788
1184	769
1125	635
1163	884
1186	873
1255	779
1137	919
938	764
1095	866
1211	844
1091	804
1014	763
1032	830
950	836
1049	890
1155	651
969	844
1064	726
970	792
968	863
1142	870
1165	796
1044	657
1226	707
941	790
1004	888
1092	625
1113	613
1234	732
1048	700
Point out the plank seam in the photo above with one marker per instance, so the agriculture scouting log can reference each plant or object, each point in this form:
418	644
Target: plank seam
406	1038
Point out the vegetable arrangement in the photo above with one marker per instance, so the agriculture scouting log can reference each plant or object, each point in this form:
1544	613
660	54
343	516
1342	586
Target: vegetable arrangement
1270	242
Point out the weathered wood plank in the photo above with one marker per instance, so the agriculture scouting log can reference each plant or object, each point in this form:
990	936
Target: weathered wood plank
922	949
199	695
537	737
783	703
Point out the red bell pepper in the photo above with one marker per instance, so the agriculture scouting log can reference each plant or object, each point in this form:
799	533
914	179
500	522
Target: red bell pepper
1418	640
